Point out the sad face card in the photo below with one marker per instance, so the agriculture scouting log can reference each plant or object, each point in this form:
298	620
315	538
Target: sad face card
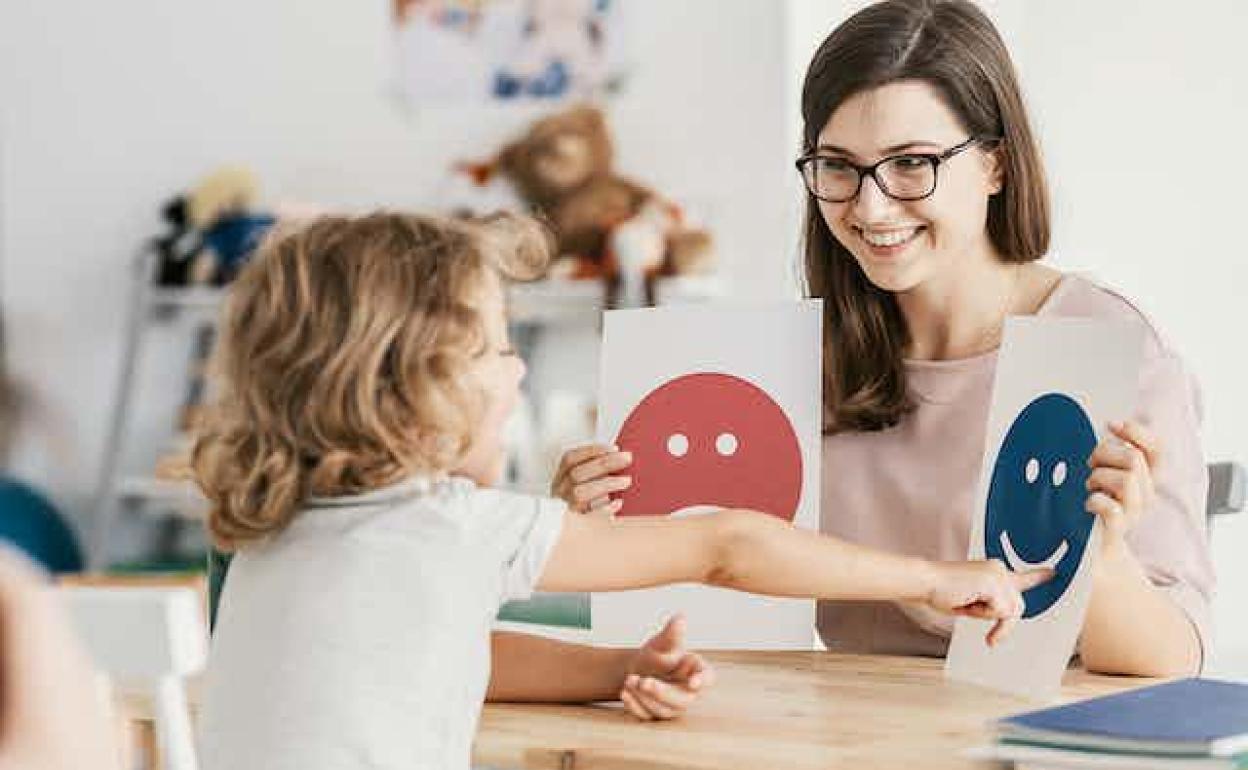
720	407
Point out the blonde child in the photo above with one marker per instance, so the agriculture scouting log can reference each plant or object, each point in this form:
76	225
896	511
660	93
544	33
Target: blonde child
365	378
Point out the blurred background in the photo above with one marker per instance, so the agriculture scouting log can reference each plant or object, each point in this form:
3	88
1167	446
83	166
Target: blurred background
138	137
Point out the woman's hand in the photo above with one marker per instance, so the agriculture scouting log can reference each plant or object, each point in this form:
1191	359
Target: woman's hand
983	589
664	678
585	479
1121	482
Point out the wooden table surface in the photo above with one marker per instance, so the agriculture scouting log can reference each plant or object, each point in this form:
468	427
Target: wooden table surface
771	710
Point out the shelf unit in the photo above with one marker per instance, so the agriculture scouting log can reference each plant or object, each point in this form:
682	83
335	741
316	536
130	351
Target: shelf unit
176	503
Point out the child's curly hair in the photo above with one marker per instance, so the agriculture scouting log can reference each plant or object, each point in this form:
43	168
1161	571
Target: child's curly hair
342	361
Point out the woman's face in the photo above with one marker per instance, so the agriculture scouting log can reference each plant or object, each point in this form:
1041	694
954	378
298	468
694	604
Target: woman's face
499	372
902	245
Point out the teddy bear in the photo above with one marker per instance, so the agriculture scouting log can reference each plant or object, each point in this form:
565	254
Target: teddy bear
606	226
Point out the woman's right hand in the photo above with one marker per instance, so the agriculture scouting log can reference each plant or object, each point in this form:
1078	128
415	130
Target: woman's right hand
585	479
984	589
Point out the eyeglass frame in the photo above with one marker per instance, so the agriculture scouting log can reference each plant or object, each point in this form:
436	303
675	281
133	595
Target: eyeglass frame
935	159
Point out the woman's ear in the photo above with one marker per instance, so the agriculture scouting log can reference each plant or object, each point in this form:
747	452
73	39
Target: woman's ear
994	161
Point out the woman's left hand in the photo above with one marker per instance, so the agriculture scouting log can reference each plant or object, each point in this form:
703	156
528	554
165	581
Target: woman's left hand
1121	482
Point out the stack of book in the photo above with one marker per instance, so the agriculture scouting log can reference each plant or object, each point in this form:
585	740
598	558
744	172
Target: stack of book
1188	723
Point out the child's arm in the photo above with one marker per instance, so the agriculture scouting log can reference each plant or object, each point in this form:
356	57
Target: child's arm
658	680
753	552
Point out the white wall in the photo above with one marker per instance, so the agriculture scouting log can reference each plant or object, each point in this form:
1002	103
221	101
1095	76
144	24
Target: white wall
108	108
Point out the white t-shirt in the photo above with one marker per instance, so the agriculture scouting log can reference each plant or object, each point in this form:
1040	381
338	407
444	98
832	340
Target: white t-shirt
359	636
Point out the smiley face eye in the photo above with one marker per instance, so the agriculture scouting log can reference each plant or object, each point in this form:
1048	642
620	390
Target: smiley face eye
1032	471
1059	473
677	445
726	444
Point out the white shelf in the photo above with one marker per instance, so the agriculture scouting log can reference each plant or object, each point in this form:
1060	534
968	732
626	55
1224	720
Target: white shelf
562	301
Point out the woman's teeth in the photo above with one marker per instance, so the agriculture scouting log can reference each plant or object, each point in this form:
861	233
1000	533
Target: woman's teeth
889	238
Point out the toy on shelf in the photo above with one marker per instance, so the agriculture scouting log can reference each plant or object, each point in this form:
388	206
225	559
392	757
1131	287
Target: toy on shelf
607	227
212	229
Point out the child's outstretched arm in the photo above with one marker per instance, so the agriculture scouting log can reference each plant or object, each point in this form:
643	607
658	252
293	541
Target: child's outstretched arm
753	552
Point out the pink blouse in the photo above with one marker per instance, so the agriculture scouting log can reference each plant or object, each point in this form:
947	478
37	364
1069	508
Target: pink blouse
911	488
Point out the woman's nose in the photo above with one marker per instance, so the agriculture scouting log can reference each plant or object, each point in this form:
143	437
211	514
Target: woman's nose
871	204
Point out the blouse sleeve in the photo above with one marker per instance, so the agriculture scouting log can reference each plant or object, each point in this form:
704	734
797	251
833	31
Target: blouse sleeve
1171	539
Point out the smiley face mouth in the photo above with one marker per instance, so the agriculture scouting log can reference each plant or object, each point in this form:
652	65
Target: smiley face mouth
1019	564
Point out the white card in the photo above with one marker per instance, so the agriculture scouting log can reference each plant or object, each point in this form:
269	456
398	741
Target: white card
1059	382
720	406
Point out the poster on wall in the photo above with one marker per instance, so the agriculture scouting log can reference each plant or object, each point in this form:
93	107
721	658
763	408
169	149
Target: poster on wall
463	51
1048	413
720	407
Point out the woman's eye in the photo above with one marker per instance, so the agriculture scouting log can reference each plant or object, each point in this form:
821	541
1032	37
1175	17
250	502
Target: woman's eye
909	163
831	166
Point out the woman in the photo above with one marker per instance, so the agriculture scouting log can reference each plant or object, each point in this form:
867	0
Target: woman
927	215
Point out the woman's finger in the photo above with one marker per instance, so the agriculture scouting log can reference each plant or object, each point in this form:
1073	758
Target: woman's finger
599	466
582	494
1140	437
1104	506
1111	481
608	510
1114	455
577	456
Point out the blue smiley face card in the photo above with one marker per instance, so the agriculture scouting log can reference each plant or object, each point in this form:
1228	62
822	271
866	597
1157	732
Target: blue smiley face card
1059	382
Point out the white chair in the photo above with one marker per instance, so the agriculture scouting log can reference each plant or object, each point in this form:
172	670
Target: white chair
149	639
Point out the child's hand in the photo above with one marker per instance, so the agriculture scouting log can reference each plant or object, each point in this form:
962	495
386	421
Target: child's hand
984	589
664	678
585	481
1121	483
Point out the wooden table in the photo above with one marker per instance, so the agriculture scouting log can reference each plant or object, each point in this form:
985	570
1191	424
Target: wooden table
773	710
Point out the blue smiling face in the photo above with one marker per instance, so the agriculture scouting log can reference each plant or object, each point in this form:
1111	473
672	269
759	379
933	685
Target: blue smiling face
1036	515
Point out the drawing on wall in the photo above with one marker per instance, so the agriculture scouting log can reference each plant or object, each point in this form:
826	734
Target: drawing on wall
509	50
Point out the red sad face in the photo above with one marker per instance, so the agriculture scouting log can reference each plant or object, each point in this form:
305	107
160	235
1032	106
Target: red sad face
710	439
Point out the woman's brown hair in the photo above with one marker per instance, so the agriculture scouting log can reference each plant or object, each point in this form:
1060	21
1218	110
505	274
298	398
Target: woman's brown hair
343	359
953	47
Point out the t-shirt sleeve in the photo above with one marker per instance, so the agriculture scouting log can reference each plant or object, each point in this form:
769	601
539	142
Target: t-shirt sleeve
524	530
1171	538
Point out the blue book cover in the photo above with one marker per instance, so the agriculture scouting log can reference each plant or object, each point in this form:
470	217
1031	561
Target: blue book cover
1187	717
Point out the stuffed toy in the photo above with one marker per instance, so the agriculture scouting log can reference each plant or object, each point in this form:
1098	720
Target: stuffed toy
213	229
606	227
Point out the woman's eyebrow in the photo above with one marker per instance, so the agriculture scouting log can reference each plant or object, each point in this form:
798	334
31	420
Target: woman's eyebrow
896	148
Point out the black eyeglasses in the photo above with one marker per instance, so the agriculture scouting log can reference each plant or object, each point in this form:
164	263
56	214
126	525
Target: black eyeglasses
909	177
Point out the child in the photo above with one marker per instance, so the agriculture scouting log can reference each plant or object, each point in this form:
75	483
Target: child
365	378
